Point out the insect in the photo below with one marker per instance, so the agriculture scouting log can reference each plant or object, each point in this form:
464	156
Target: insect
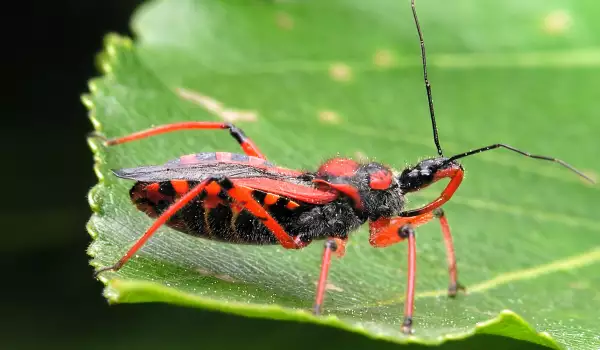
244	199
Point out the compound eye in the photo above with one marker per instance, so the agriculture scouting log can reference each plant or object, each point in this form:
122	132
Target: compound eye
380	180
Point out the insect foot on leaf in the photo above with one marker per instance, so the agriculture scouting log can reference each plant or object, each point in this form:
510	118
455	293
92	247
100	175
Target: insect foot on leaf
408	232
97	135
454	288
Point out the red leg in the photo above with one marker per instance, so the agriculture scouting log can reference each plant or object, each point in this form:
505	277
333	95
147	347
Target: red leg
388	231
456	174
455	286
407	231
247	145
332	245
240	195
384	231
161	220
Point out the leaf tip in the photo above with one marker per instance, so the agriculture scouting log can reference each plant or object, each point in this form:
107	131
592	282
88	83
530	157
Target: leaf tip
508	316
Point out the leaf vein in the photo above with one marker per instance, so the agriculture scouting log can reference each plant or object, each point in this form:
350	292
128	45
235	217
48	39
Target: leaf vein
567	264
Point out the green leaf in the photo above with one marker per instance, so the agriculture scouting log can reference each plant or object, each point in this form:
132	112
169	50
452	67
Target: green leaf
308	80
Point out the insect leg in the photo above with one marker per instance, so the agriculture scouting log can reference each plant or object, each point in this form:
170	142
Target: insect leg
332	245
408	232
387	231
161	220
247	145
384	232
239	194
455	286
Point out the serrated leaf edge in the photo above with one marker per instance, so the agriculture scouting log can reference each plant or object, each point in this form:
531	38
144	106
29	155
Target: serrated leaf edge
121	291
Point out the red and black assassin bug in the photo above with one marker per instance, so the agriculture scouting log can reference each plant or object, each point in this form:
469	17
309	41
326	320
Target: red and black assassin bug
244	199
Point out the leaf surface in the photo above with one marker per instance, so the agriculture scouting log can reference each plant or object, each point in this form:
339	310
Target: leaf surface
310	80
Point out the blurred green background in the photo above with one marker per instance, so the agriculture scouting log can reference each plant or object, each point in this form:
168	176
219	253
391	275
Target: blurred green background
48	297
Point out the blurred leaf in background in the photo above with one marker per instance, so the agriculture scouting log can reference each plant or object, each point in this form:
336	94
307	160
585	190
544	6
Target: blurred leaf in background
310	80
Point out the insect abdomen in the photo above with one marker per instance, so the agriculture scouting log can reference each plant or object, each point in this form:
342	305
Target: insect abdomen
213	217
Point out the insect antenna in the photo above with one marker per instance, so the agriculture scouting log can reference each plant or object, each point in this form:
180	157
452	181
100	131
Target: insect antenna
482	149
500	145
427	84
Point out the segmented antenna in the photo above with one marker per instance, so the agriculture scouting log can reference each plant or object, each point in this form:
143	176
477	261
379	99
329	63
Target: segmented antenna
427	85
482	149
526	154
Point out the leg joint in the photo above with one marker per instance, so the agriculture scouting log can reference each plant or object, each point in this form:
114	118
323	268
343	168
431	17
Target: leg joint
406	231
236	132
438	212
331	245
